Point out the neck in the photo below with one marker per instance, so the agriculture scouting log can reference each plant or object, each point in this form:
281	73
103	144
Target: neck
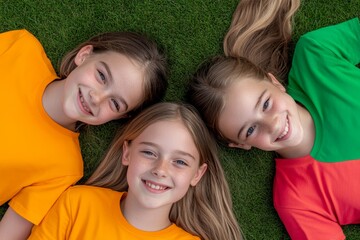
305	146
146	219
52	101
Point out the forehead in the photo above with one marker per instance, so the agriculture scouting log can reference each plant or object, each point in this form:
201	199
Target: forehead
169	135
239	103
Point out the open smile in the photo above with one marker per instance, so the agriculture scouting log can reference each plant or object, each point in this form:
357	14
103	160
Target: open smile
285	133
155	187
83	105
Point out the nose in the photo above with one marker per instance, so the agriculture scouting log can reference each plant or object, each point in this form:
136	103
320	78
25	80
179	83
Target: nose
160	169
271	122
96	97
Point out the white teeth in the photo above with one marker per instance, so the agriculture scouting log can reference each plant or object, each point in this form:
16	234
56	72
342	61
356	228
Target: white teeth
84	104
286	130
156	187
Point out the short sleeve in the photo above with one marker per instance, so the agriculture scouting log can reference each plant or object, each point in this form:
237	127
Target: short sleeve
8	39
34	201
57	223
328	53
342	40
307	225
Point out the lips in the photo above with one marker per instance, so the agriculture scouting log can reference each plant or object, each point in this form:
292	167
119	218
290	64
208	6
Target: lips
83	105
285	132
155	187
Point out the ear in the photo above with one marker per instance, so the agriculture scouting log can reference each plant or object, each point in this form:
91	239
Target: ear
240	145
125	159
82	54
199	173
276	82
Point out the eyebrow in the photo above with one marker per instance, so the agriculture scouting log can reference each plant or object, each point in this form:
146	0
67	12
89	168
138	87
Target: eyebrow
177	151
112	81
256	106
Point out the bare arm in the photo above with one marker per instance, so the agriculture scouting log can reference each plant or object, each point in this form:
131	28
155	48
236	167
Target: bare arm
14	227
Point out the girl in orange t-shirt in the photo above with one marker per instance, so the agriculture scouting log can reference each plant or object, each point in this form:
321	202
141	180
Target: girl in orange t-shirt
105	78
166	161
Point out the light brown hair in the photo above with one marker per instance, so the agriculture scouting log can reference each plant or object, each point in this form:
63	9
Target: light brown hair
209	86
260	31
206	209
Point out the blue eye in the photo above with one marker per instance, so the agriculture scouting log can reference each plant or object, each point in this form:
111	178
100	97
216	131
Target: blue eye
116	104
181	162
102	76
266	104
148	153
250	131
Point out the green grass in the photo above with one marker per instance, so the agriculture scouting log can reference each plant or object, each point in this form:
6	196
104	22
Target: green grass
188	31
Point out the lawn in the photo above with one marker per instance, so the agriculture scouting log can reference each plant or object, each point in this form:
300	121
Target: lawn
188	31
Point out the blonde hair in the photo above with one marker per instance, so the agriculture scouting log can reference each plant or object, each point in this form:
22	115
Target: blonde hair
138	48
206	209
261	30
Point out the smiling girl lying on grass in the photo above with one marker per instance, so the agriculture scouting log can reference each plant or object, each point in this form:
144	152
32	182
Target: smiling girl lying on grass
312	124
160	179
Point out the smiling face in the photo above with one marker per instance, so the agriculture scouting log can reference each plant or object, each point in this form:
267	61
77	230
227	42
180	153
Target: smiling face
261	114
163	162
103	87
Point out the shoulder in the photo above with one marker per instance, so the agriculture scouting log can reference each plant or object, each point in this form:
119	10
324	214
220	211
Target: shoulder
20	43
328	30
85	191
83	198
18	36
331	33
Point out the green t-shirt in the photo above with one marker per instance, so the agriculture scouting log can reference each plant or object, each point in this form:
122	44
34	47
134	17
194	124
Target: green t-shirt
325	79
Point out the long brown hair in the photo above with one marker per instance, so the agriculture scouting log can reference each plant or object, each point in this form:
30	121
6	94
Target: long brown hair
206	209
261	30
138	48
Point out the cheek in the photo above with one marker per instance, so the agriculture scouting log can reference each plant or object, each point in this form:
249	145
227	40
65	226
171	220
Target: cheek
261	141
183	189
280	104
106	114
131	174
288	101
69	83
185	180
75	75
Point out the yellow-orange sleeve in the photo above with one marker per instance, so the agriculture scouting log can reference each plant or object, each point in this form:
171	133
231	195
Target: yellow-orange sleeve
40	196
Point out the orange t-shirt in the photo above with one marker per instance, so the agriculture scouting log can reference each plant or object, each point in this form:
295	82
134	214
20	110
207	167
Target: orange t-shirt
87	212
39	158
